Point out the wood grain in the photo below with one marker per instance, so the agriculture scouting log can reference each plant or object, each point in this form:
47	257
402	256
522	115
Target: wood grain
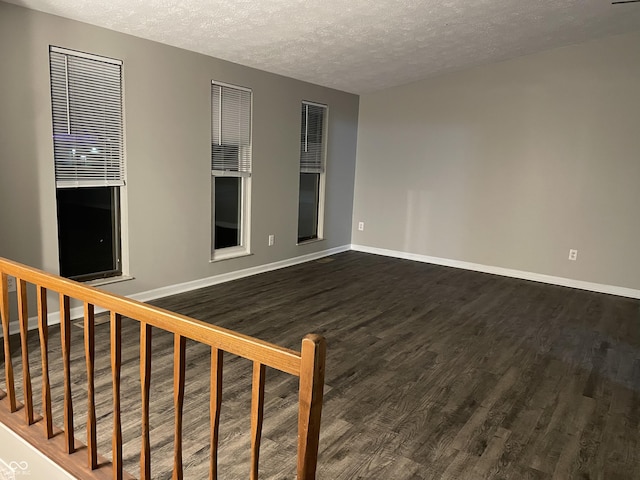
541	380
314	350
116	370
421	354
179	369
257	415
65	339
145	384
43	331
90	358
55	449
8	361
23	319
183	328
225	339
215	405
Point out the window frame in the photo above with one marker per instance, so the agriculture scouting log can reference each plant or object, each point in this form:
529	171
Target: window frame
116	222
244	247
321	181
120	202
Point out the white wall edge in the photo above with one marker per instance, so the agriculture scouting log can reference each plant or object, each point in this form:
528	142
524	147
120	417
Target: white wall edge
505	272
78	312
27	461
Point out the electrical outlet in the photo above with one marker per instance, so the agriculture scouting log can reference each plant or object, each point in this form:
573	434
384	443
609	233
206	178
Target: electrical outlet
573	255
11	283
361	226
272	240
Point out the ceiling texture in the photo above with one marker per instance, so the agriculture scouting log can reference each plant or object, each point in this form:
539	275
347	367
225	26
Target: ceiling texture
358	46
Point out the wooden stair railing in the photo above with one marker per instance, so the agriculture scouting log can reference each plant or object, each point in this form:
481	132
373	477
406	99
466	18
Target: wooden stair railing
62	446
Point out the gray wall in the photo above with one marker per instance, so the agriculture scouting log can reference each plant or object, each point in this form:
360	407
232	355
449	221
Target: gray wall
167	128
511	164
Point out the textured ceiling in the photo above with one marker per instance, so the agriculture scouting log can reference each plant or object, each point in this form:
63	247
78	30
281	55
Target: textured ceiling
356	45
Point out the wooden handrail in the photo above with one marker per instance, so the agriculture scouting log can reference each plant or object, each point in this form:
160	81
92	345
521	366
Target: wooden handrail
308	365
236	343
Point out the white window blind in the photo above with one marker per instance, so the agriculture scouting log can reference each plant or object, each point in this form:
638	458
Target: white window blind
311	138
230	128
86	98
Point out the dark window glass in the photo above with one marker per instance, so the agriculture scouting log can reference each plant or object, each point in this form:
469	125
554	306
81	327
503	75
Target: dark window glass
308	206
227	211
89	232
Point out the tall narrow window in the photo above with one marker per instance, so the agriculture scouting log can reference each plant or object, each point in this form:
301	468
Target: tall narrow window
230	169
312	160
86	100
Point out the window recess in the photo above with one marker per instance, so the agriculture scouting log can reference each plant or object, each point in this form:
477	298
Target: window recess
312	171
230	169
88	144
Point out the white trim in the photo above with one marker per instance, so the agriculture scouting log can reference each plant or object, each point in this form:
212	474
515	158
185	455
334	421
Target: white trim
244	248
229	252
228	277
90	56
311	240
231	85
98	282
89	183
78	312
315	104
505	272
229	173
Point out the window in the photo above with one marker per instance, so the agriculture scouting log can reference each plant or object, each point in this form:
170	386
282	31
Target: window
230	169
86	101
312	160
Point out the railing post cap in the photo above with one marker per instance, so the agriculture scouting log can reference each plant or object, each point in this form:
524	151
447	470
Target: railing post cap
315	338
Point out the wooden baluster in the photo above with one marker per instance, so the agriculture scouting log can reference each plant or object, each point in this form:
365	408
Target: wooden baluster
65	339
178	402
257	414
90	357
43	329
116	365
312	368
145	383
8	363
23	316
215	404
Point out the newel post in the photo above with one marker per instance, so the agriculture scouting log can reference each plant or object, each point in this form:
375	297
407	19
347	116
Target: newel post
313	353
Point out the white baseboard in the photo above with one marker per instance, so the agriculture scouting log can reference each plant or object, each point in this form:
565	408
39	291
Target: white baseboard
505	272
227	277
78	312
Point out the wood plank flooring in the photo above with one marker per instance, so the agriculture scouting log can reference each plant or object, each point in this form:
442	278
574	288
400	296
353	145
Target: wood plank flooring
432	373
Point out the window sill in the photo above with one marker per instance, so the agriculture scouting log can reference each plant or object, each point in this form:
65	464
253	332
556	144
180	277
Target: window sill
313	240
106	281
231	253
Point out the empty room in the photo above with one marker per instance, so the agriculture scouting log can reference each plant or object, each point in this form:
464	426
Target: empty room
332	240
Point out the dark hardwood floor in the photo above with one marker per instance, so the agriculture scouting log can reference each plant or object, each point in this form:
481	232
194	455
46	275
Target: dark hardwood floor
432	373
